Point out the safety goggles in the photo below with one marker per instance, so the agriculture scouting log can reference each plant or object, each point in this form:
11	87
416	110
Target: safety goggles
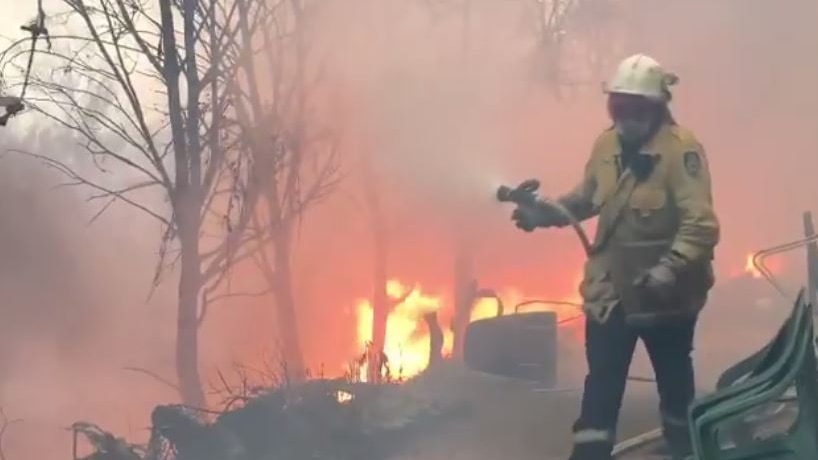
631	107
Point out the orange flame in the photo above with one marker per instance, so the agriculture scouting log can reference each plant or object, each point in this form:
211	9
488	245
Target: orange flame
750	268
407	338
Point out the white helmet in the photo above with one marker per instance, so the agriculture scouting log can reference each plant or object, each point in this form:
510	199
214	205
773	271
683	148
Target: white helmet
641	75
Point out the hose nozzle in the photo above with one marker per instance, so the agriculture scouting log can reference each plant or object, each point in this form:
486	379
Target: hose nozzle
524	193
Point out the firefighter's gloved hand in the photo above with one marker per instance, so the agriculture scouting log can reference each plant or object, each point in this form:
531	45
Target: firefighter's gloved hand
658	282
529	217
599	312
599	297
526	217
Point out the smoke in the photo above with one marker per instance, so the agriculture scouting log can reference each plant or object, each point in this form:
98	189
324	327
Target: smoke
450	103
447	104
74	311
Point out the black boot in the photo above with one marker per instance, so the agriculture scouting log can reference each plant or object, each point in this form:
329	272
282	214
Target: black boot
592	451
678	441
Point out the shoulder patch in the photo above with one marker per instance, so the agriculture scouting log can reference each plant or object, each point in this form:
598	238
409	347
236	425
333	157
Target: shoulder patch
692	162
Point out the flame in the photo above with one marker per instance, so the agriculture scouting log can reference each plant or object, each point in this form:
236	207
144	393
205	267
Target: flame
407	338
774	265
484	308
750	268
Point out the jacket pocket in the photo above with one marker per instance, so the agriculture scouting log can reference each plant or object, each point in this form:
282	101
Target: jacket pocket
647	201
650	215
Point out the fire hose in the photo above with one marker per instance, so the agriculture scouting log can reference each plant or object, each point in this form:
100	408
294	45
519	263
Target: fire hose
525	194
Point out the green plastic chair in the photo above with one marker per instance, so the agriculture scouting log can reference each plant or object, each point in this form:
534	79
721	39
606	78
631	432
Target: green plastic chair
705	427
781	368
797	367
760	368
798	443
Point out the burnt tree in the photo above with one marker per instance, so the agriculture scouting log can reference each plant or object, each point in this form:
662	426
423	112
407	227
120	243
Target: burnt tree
435	339
382	303
295	155
146	89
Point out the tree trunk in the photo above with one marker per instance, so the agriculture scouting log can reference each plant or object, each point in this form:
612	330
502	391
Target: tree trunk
186	207
282	239
285	306
187	343
465	288
280	281
381	304
435	339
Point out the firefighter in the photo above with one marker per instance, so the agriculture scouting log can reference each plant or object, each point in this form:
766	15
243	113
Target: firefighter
650	268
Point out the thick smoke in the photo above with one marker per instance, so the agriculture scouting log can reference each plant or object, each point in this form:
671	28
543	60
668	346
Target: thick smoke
74	313
446	104
447	113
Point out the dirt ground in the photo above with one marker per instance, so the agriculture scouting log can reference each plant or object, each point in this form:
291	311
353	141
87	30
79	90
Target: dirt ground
510	419
514	420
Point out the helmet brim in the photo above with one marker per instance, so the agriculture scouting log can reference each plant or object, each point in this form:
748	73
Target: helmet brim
651	96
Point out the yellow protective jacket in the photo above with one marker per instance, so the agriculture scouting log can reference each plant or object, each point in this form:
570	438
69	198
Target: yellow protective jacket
666	216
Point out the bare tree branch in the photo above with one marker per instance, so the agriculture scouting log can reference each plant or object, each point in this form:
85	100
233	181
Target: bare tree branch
236	143
155	376
80	180
5	423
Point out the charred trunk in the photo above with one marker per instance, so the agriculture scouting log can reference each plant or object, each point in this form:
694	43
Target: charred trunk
465	288
381	304
435	339
186	208
282	284
187	337
280	281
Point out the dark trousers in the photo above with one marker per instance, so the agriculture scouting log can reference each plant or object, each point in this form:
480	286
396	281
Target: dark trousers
609	350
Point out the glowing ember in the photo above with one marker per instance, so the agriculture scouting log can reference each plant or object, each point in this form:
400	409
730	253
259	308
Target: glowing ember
344	397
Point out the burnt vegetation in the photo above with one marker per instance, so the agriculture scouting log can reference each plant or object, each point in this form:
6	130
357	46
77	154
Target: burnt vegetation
326	419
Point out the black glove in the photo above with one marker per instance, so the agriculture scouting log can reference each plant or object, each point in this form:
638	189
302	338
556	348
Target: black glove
530	216
658	283
526	217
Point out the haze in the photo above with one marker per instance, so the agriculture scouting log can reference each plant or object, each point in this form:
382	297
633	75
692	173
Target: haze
444	114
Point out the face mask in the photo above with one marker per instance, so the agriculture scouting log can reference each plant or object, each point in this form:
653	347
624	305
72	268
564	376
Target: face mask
631	130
